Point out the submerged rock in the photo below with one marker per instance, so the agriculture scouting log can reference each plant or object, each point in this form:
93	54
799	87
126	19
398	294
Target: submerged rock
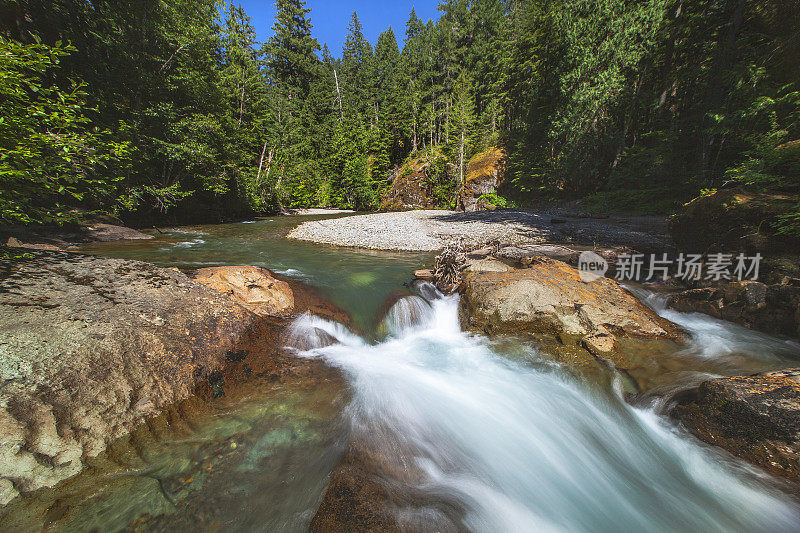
110	232
377	488
754	417
90	347
53	238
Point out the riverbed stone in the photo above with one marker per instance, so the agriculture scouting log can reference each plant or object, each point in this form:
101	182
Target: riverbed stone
252	287
89	348
425	274
773	309
550	297
753	417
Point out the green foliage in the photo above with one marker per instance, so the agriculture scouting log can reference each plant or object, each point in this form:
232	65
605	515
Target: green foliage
650	201
496	200
174	110
51	157
789	223
439	172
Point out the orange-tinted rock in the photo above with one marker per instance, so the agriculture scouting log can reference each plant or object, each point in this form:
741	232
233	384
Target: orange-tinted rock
252	287
550	297
755	417
550	301
424	274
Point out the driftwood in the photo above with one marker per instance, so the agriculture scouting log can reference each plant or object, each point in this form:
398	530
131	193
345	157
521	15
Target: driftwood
448	266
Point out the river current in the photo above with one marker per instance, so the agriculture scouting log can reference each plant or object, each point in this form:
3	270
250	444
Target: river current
493	424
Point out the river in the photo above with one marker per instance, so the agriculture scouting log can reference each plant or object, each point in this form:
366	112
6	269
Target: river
517	442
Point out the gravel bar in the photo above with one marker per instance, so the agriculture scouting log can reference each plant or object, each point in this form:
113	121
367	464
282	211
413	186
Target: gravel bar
430	230
424	230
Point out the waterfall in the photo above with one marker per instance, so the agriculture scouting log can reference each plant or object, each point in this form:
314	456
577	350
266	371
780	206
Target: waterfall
522	446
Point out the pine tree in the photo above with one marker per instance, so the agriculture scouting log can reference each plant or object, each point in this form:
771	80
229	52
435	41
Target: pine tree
463	118
389	100
358	72
293	68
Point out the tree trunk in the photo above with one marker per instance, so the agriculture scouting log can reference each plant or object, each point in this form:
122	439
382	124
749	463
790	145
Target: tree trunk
338	95
447	122
629	116
261	162
414	134
461	159
241	105
716	92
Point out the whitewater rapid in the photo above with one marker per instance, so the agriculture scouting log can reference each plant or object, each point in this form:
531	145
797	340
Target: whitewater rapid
522	445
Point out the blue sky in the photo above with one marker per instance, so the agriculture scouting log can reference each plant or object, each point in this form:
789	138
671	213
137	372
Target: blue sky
330	18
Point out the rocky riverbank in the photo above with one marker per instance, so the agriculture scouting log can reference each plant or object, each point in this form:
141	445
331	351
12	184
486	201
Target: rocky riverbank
67	238
91	347
754	417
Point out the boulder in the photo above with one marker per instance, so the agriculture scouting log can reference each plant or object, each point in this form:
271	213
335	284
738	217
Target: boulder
377	488
733	220
754	417
516	254
252	287
773	309
412	184
550	297
488	264
484	174
13	242
522	254
583	324
110	232
89	348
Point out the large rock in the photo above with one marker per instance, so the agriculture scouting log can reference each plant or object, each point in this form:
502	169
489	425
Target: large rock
380	487
732	220
267	294
102	232
413	184
484	174
550	297
89	348
252	287
772	308
755	417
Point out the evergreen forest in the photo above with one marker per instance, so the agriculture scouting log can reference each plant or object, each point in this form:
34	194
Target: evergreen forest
150	111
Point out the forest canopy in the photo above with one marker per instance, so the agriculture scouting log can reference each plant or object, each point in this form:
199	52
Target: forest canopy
152	110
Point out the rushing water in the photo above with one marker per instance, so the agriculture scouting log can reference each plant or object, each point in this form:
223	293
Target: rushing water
517	441
524	447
